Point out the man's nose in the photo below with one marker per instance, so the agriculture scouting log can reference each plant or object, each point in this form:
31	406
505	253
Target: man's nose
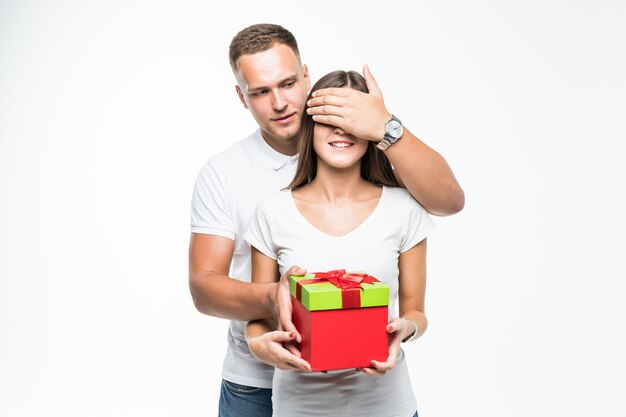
278	101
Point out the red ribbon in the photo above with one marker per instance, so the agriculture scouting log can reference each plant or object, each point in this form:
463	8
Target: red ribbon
349	284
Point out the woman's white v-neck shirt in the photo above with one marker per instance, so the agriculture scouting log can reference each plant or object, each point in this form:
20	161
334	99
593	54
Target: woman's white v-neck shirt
279	231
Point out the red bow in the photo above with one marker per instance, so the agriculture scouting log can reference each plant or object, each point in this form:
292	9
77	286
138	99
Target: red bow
349	284
344	281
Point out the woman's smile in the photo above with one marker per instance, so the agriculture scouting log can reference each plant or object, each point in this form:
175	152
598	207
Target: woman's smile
341	144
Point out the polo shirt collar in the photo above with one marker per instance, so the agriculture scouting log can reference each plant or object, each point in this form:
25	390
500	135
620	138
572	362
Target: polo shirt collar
276	159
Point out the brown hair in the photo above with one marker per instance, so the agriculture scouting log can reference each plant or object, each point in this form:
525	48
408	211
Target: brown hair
259	38
375	166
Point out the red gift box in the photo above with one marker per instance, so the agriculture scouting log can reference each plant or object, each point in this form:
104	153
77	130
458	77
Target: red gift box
342	319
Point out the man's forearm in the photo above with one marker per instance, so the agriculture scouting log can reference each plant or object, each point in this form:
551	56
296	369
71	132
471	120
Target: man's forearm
426	175
221	296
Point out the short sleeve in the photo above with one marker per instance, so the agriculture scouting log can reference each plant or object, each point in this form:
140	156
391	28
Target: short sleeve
259	233
210	205
419	225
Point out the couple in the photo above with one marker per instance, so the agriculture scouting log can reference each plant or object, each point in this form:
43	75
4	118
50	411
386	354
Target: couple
342	206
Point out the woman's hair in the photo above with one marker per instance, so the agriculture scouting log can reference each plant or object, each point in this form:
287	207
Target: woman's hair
375	166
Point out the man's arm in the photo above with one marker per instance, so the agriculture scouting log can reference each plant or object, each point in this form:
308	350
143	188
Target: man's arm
216	294
213	291
423	171
426	175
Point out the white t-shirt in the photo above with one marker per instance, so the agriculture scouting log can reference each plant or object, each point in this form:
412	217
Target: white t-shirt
280	231
227	190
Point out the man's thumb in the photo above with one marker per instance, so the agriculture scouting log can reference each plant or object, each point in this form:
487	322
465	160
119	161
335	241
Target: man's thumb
372	85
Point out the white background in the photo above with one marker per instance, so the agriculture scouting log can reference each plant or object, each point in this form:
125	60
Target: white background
108	109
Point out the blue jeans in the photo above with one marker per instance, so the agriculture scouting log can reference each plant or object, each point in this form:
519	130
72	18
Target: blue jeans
243	401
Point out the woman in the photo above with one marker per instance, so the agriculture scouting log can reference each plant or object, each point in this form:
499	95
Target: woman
344	210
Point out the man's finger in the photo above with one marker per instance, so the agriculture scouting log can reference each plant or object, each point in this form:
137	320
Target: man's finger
326	100
333	91
372	85
329	120
326	109
286	324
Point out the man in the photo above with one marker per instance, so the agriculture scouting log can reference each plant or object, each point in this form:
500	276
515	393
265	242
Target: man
272	83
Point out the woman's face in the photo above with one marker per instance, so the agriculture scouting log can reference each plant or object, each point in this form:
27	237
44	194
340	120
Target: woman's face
337	148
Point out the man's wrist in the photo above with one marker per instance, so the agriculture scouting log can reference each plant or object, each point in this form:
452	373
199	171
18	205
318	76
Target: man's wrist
383	124
271	295
393	132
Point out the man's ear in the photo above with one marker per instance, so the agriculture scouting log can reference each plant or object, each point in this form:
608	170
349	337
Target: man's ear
240	94
305	70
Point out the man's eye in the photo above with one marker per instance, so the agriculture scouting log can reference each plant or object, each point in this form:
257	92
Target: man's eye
258	93
290	84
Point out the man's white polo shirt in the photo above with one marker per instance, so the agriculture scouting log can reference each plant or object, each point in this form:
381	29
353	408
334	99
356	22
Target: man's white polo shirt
227	191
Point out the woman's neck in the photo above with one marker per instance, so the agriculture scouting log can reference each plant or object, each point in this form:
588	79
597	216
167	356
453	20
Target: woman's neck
338	185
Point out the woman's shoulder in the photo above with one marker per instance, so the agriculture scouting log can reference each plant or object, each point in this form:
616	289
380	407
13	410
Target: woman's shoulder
397	193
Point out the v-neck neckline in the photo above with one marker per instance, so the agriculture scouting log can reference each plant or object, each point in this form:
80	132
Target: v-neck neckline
345	235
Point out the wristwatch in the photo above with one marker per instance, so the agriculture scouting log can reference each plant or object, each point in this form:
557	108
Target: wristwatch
393	132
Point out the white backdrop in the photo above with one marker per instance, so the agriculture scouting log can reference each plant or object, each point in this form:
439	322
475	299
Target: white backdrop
108	109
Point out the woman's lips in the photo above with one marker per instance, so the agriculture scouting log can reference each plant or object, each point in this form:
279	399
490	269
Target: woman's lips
341	144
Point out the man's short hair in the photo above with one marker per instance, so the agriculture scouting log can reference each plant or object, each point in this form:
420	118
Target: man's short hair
259	38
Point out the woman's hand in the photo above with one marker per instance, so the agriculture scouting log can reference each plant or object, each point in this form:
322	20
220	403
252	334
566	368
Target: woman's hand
268	348
398	329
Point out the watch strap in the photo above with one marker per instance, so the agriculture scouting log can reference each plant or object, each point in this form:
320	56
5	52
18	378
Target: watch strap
388	139
383	145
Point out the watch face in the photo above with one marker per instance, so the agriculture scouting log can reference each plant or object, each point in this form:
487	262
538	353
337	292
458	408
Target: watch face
394	129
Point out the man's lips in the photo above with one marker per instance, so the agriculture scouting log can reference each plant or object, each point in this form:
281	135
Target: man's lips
285	119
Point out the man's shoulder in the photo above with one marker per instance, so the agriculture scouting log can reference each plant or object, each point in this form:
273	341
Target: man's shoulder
228	162
238	152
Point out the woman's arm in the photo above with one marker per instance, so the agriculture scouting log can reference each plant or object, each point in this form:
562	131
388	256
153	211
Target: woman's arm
264	341
412	322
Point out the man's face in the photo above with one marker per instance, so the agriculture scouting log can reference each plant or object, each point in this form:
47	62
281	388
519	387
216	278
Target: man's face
273	85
